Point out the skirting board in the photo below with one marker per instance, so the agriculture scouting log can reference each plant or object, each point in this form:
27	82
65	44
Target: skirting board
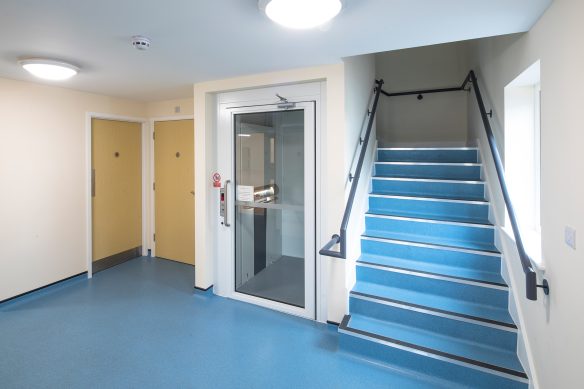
116	259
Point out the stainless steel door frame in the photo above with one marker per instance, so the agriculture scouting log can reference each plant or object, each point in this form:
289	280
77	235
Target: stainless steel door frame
226	246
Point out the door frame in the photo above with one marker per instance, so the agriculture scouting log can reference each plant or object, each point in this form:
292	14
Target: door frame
151	199
295	92
145	170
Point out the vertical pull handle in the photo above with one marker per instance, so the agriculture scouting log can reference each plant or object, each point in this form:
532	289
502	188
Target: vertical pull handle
92	182
227	182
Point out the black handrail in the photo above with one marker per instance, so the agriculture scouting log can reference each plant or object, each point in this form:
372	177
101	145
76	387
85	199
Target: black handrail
342	238
526	263
421	92
528	269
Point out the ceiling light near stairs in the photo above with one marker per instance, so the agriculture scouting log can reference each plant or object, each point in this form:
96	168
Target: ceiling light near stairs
49	69
301	14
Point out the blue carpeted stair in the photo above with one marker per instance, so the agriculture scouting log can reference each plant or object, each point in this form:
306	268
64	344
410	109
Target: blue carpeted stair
429	296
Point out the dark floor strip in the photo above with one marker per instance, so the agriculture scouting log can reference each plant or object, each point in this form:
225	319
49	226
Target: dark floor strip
42	287
116	259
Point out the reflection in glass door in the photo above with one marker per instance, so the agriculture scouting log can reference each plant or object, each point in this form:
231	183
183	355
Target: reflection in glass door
270	205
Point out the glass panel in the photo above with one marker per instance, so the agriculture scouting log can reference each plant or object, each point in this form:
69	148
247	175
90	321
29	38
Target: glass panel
269	207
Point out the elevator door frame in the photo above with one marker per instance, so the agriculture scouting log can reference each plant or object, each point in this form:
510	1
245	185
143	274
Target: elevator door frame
226	165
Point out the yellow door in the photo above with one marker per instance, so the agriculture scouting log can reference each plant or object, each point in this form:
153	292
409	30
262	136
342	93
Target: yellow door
174	190
117	189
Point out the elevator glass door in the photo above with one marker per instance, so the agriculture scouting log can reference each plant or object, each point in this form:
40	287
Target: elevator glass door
270	197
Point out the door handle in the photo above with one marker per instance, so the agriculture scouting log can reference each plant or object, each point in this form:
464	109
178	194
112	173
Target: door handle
227	224
92	182
193	192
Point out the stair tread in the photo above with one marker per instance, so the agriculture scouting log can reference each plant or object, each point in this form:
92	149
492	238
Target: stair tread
455	243
474	351
434	268
423	176
435	197
436	302
427	216
442	180
428	163
428	154
431	197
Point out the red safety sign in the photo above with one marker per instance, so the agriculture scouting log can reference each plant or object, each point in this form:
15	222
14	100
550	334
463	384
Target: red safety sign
216	180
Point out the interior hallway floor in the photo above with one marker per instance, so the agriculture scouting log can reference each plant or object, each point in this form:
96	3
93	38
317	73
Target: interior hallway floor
141	324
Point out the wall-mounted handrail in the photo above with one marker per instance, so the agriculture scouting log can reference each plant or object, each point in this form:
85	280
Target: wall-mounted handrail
526	263
341	239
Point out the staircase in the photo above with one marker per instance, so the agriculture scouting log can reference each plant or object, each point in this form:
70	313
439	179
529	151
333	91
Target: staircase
429	296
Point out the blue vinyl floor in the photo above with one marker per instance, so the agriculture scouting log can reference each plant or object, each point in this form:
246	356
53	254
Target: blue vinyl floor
141	325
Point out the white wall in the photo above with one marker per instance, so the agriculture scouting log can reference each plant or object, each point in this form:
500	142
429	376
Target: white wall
167	108
43	181
359	84
438	119
552	325
359	80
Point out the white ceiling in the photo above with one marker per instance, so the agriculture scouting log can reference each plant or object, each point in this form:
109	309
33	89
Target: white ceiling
197	40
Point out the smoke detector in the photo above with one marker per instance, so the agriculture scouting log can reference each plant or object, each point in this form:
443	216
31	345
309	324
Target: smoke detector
140	42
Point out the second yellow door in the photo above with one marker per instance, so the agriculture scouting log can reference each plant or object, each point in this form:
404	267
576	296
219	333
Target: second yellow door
174	190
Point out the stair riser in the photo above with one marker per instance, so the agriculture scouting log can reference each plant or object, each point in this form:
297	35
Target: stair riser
450	190
464	330
442	172
463	259
394	357
449	232
471	212
493	297
449	156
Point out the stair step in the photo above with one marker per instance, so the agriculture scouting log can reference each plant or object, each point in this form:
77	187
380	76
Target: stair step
444	356
456	234
385	309
485	294
463	259
429	338
470	211
436	170
461	273
454	154
453	305
424	187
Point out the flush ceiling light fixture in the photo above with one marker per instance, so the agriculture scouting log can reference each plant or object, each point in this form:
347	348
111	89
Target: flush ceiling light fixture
301	14
49	69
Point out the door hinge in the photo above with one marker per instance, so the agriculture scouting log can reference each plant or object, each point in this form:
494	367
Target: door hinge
153	135
154	237
154	186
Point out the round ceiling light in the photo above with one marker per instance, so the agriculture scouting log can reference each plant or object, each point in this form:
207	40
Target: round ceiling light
301	14
49	69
